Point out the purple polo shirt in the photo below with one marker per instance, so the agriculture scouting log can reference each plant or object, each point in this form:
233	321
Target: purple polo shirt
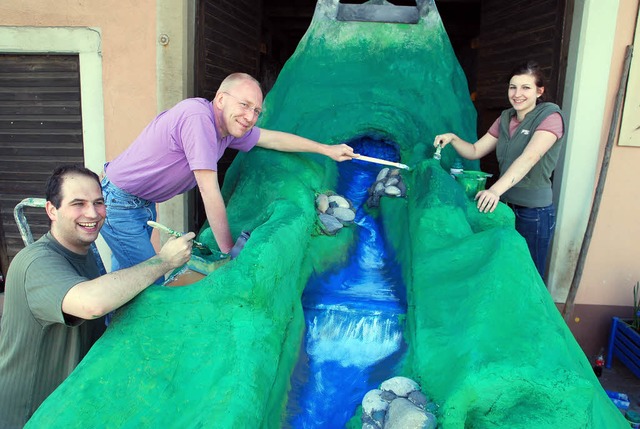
159	164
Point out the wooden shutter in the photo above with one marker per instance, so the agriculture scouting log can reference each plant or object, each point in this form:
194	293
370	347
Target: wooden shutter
40	128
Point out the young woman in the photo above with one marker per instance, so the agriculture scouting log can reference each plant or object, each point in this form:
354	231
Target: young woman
527	139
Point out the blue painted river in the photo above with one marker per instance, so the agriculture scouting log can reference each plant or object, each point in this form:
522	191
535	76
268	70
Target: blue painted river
354	315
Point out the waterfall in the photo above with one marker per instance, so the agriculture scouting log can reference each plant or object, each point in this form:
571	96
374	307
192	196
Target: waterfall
354	320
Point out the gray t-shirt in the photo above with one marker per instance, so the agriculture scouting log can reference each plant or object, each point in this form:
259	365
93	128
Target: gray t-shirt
39	344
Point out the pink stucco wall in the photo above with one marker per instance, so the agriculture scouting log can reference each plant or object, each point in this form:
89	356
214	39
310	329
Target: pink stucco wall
612	266
128	55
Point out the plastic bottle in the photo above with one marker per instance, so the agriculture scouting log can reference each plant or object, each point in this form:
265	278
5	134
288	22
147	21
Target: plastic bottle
239	245
457	168
599	363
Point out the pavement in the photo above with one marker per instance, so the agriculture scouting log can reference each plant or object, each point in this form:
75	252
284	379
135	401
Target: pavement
620	379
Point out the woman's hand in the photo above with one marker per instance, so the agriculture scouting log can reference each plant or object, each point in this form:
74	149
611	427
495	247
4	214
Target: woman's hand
487	201
444	139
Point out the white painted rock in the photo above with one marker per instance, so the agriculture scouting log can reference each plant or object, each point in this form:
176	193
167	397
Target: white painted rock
401	386
392	190
344	214
322	203
340	201
382	174
373	402
391	181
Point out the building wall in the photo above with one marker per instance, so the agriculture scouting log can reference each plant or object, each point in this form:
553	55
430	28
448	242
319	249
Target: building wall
127	36
613	263
600	34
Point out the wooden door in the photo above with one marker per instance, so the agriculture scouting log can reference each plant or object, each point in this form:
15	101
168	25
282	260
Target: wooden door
227	41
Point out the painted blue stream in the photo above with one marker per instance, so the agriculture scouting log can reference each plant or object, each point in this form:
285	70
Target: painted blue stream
354	318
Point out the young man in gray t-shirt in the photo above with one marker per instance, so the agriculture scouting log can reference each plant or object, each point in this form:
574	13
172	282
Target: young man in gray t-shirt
55	296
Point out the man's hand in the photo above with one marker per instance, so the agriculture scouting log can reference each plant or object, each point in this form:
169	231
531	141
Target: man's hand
177	251
341	152
94	298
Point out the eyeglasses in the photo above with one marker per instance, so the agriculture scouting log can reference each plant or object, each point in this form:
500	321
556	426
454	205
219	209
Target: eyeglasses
257	112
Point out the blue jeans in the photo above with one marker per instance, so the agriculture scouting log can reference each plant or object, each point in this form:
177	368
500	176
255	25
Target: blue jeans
536	225
125	229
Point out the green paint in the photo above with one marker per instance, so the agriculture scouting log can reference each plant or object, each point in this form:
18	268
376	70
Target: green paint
485	339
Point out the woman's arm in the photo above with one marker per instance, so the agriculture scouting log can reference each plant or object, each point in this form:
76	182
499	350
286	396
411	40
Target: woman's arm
486	144
540	143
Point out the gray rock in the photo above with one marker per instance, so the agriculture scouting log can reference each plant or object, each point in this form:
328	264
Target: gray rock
388	395
402	187
418	398
379	416
372	188
322	203
370	426
373	201
392	190
330	224
379	188
344	214
402	414
431	407
382	174
394	172
401	386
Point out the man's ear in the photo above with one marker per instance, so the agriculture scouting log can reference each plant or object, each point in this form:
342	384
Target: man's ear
217	101
51	210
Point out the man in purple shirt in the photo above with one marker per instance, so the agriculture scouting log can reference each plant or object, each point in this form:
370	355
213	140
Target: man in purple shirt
180	149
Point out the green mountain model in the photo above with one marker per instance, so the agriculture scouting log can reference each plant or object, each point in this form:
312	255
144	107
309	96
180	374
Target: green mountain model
486	341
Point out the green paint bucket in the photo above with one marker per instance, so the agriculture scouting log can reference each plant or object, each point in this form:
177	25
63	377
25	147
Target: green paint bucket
472	181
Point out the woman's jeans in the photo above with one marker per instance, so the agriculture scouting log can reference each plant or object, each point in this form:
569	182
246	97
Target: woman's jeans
536	225
125	229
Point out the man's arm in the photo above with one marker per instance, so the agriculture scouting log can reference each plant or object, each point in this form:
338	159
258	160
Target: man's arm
214	208
286	142
97	297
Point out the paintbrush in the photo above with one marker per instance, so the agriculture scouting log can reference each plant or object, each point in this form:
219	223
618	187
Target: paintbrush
382	161
198	244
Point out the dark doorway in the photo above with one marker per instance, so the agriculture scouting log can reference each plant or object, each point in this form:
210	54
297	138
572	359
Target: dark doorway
487	36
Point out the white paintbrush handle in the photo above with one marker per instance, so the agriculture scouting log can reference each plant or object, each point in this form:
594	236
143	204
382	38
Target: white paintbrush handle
382	161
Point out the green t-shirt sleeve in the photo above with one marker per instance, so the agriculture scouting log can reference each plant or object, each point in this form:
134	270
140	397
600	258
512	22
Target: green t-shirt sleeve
47	281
